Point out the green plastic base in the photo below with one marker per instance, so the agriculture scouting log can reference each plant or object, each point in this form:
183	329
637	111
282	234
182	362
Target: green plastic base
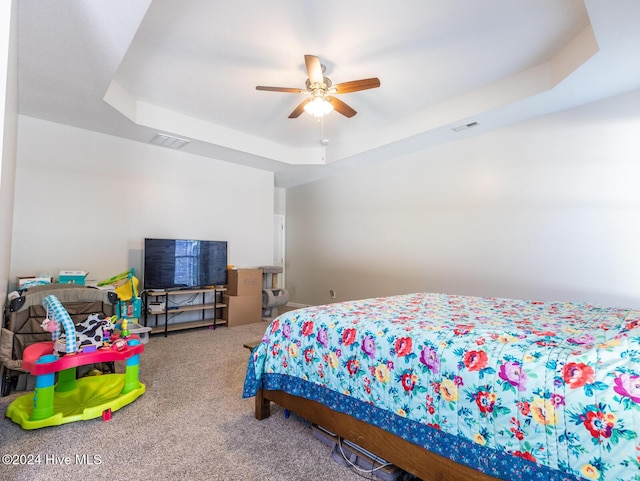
92	396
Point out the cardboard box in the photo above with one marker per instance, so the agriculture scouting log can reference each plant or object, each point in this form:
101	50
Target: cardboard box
72	277
242	309
22	280
244	282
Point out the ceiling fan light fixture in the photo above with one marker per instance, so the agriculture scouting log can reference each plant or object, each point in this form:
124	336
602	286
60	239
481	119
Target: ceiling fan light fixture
322	101
318	107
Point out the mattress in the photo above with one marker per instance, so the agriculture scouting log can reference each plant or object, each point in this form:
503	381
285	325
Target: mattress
516	389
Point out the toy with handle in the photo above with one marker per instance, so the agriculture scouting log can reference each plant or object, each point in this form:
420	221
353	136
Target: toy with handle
57	312
126	286
120	277
72	399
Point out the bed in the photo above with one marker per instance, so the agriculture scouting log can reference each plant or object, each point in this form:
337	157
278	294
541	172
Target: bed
463	388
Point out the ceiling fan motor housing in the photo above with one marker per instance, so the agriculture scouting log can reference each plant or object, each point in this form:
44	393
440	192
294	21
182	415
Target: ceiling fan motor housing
325	86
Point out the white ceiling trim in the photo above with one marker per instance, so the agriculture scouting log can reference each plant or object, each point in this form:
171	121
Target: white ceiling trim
455	111
165	120
189	69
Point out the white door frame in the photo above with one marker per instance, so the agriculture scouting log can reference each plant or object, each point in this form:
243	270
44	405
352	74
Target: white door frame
279	246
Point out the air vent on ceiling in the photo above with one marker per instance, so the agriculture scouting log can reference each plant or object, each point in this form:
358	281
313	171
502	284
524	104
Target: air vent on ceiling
465	126
169	141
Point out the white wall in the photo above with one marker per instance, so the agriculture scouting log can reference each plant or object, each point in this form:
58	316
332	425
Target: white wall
547	209
9	132
85	201
280	201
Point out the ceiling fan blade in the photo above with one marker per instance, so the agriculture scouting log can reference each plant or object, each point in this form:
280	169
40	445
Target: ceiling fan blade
299	109
340	107
280	89
314	69
356	85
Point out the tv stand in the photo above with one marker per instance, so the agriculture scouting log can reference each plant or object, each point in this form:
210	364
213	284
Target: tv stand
210	301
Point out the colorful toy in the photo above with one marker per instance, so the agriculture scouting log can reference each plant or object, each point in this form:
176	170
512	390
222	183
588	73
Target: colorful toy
125	329
126	286
106	332
71	399
118	344
56	310
60	344
74	399
91	332
123	276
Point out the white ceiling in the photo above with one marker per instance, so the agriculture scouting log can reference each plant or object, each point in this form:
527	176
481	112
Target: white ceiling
135	68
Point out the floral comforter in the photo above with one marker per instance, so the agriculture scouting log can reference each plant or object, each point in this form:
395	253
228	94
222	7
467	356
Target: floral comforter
516	389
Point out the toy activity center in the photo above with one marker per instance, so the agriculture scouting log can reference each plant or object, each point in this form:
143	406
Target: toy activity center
69	336
72	399
68	385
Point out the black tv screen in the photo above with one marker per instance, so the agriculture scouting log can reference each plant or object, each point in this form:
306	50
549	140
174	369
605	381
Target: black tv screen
184	264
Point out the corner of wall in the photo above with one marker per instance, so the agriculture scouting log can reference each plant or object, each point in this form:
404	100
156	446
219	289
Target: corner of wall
9	129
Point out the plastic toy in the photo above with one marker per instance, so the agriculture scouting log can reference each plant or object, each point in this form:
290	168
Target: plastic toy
72	399
125	329
91	332
57	315
106	332
126	286
125	292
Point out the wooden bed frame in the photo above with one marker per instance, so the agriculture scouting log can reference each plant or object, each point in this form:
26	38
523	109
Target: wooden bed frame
410	457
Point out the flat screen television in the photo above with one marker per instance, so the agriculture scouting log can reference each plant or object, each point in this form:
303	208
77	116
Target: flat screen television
184	263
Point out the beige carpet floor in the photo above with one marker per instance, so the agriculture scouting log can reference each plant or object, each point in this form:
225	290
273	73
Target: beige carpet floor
191	424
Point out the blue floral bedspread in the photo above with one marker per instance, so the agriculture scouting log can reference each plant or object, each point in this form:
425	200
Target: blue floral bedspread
515	389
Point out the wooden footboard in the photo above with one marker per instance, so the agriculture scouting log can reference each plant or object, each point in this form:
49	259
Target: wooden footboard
404	454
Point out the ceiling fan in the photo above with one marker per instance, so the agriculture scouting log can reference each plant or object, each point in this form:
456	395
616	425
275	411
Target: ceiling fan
320	89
